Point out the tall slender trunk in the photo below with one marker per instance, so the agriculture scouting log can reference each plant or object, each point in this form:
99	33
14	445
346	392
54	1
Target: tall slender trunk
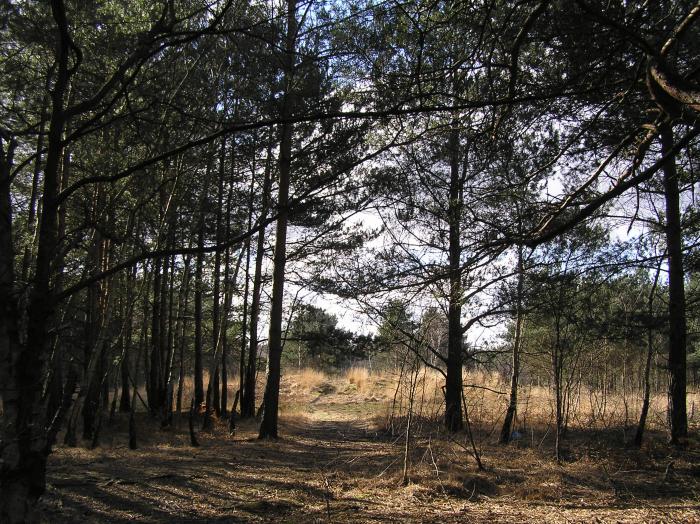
211	399
453	382
9	306
56	360
163	330
676	289
143	335
96	345
142	350
228	297
125	397
181	332
33	199
125	401
171	328
153	384
639	435
268	426
244	319
246	290
557	371
198	290
412	383
216	299
224	338
515	371
248	391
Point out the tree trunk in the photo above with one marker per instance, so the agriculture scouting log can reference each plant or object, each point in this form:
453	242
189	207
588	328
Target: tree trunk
246	290
676	289
170	344
163	337
228	295
125	400
453	382
55	370
24	452
198	370
216	299
268	426
181	343
639	435
95	336
33	199
557	367
224	325
248	390
515	371
152	387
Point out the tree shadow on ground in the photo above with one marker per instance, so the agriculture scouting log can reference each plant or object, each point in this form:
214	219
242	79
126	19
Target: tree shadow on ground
335	470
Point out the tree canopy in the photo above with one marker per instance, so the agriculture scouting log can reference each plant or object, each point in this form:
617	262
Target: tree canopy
172	172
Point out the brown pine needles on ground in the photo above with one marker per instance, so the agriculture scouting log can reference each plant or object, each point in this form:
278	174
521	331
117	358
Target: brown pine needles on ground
337	462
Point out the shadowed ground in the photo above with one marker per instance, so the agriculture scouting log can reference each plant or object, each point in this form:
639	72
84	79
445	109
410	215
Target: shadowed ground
332	465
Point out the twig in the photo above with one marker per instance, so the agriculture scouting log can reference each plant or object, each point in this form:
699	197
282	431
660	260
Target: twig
437	474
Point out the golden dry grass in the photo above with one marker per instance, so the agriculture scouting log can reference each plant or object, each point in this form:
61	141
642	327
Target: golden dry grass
358	376
309	379
335	463
485	394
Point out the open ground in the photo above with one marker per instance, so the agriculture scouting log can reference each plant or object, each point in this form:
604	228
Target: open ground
337	462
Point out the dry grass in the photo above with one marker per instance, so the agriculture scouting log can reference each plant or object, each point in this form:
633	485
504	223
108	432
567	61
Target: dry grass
588	409
360	377
335	463
485	394
309	379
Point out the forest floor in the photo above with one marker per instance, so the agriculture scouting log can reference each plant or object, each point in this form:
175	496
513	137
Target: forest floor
334	463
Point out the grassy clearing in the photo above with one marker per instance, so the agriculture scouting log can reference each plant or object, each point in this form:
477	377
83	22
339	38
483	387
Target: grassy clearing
336	462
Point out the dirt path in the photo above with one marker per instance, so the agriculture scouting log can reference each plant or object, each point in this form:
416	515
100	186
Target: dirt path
327	468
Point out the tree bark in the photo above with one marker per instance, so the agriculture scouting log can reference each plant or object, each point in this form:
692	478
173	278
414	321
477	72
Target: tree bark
676	289
181	331
557	372
153	387
268	426
125	401
228	295
246	292
216	299
95	337
515	371
639	435
33	208
198	285
248	390
227	289
170	343
24	451
453	382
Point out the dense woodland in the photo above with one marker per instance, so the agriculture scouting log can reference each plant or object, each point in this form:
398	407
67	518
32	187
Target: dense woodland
498	186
